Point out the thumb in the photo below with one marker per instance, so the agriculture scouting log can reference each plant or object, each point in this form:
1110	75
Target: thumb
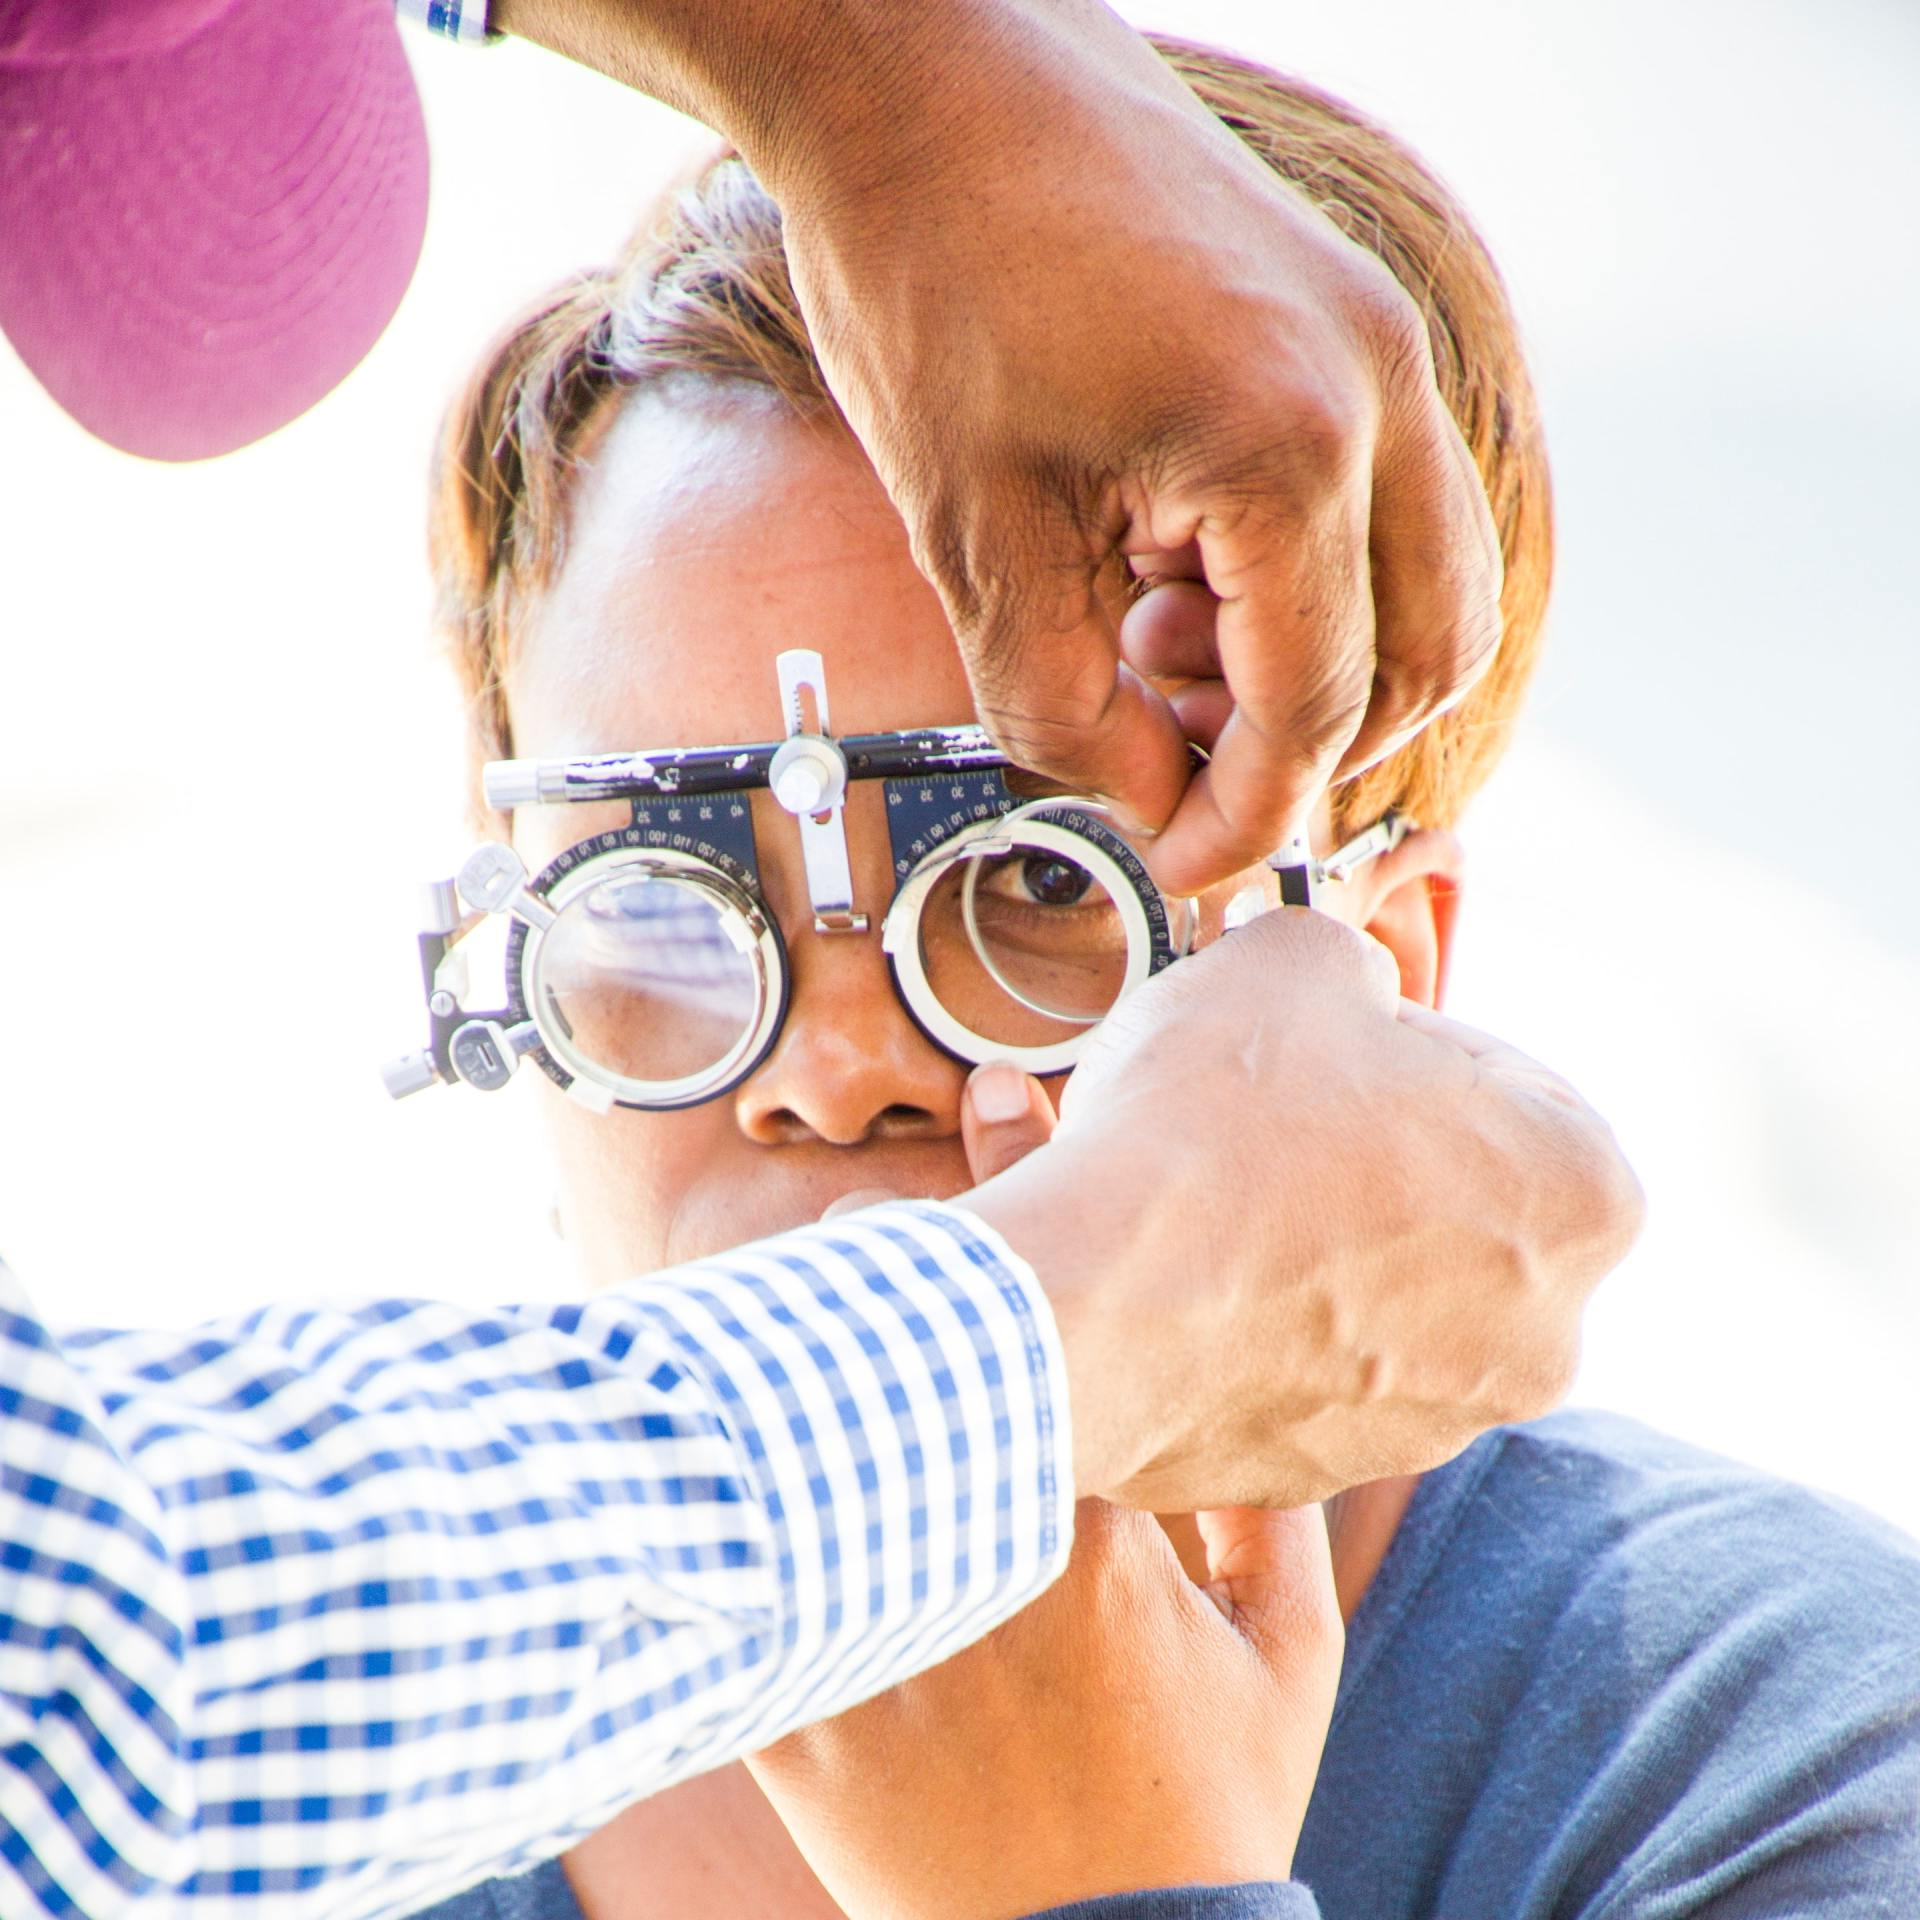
1270	1572
1004	1115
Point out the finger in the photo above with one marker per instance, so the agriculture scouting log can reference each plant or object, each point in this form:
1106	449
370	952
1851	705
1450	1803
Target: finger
858	1198
1168	633
1061	702
1436	572
1270	1572
1203	708
1168	563
1004	1115
1295	640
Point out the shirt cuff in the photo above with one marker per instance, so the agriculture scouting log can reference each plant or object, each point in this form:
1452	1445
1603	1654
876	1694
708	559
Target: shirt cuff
894	1382
464	21
1255	1900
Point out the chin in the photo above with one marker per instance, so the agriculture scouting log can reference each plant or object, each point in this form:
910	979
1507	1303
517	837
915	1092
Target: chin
719	1215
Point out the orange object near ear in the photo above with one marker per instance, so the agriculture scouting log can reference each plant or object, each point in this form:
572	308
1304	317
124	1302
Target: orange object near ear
1444	891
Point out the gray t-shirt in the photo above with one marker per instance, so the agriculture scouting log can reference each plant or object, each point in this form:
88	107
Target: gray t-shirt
1599	1676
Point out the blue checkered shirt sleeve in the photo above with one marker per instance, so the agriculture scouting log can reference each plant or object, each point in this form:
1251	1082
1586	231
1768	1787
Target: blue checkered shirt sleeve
333	1611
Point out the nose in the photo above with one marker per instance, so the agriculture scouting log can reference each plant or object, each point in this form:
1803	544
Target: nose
849	1065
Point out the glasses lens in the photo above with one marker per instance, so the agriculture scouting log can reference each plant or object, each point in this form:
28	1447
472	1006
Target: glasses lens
1045	956
640	976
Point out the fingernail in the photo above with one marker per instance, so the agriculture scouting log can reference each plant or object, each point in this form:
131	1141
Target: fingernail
999	1092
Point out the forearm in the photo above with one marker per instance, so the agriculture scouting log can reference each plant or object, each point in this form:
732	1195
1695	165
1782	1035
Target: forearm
825	97
342	1607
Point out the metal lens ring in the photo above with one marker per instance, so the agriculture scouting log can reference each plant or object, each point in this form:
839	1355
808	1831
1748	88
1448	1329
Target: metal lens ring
658	982
989	970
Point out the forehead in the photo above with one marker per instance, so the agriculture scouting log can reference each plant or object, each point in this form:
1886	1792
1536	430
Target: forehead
712	529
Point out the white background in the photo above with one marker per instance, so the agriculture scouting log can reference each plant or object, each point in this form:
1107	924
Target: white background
226	752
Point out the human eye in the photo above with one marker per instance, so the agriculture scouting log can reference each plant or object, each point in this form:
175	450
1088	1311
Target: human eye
1043	902
1045	880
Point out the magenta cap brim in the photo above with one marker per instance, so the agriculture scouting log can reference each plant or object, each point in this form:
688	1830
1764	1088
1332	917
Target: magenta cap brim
201	242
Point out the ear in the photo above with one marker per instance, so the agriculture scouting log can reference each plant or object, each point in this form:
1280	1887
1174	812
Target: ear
1413	898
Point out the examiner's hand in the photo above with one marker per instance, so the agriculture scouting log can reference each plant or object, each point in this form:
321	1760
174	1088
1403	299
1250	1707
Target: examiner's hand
1127	1730
1298	1234
1072	318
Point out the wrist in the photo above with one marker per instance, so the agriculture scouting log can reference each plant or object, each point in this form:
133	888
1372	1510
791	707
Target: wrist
1077	1219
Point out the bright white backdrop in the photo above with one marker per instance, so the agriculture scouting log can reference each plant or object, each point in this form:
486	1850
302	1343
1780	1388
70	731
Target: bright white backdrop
225	752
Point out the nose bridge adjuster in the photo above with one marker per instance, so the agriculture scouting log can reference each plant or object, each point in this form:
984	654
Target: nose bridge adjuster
808	777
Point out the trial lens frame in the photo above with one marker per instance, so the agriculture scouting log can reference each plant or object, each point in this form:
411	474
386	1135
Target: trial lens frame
944	788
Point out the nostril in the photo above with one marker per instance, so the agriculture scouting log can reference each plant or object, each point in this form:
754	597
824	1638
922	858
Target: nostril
899	1120
780	1127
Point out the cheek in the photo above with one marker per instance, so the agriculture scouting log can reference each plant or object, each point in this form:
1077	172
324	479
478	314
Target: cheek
541	834
623	1176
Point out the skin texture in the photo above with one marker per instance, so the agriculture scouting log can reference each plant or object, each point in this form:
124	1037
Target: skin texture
1133	1730
1326	1344
714	532
711	531
1246	413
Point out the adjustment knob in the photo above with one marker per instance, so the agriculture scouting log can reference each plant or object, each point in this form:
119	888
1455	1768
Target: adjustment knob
492	876
482	1055
411	1073
808	775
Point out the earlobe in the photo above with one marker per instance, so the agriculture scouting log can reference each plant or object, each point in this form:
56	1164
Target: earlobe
1414	910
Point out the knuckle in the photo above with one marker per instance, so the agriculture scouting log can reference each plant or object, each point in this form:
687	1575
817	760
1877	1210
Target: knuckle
942	549
1010	544
1538	1352
1390	321
800	1753
1328	428
1057	739
1554	1372
1543	1383
1618	1203
1324	1627
1468	648
1099	1538
1305	426
1384	968
1602	1204
1343	957
1323	713
1441	668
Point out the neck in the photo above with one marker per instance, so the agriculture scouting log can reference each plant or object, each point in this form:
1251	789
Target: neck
1361	1524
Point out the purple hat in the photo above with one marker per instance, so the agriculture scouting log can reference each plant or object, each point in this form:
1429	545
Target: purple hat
209	209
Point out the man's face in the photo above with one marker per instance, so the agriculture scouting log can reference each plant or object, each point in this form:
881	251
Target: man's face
711	532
